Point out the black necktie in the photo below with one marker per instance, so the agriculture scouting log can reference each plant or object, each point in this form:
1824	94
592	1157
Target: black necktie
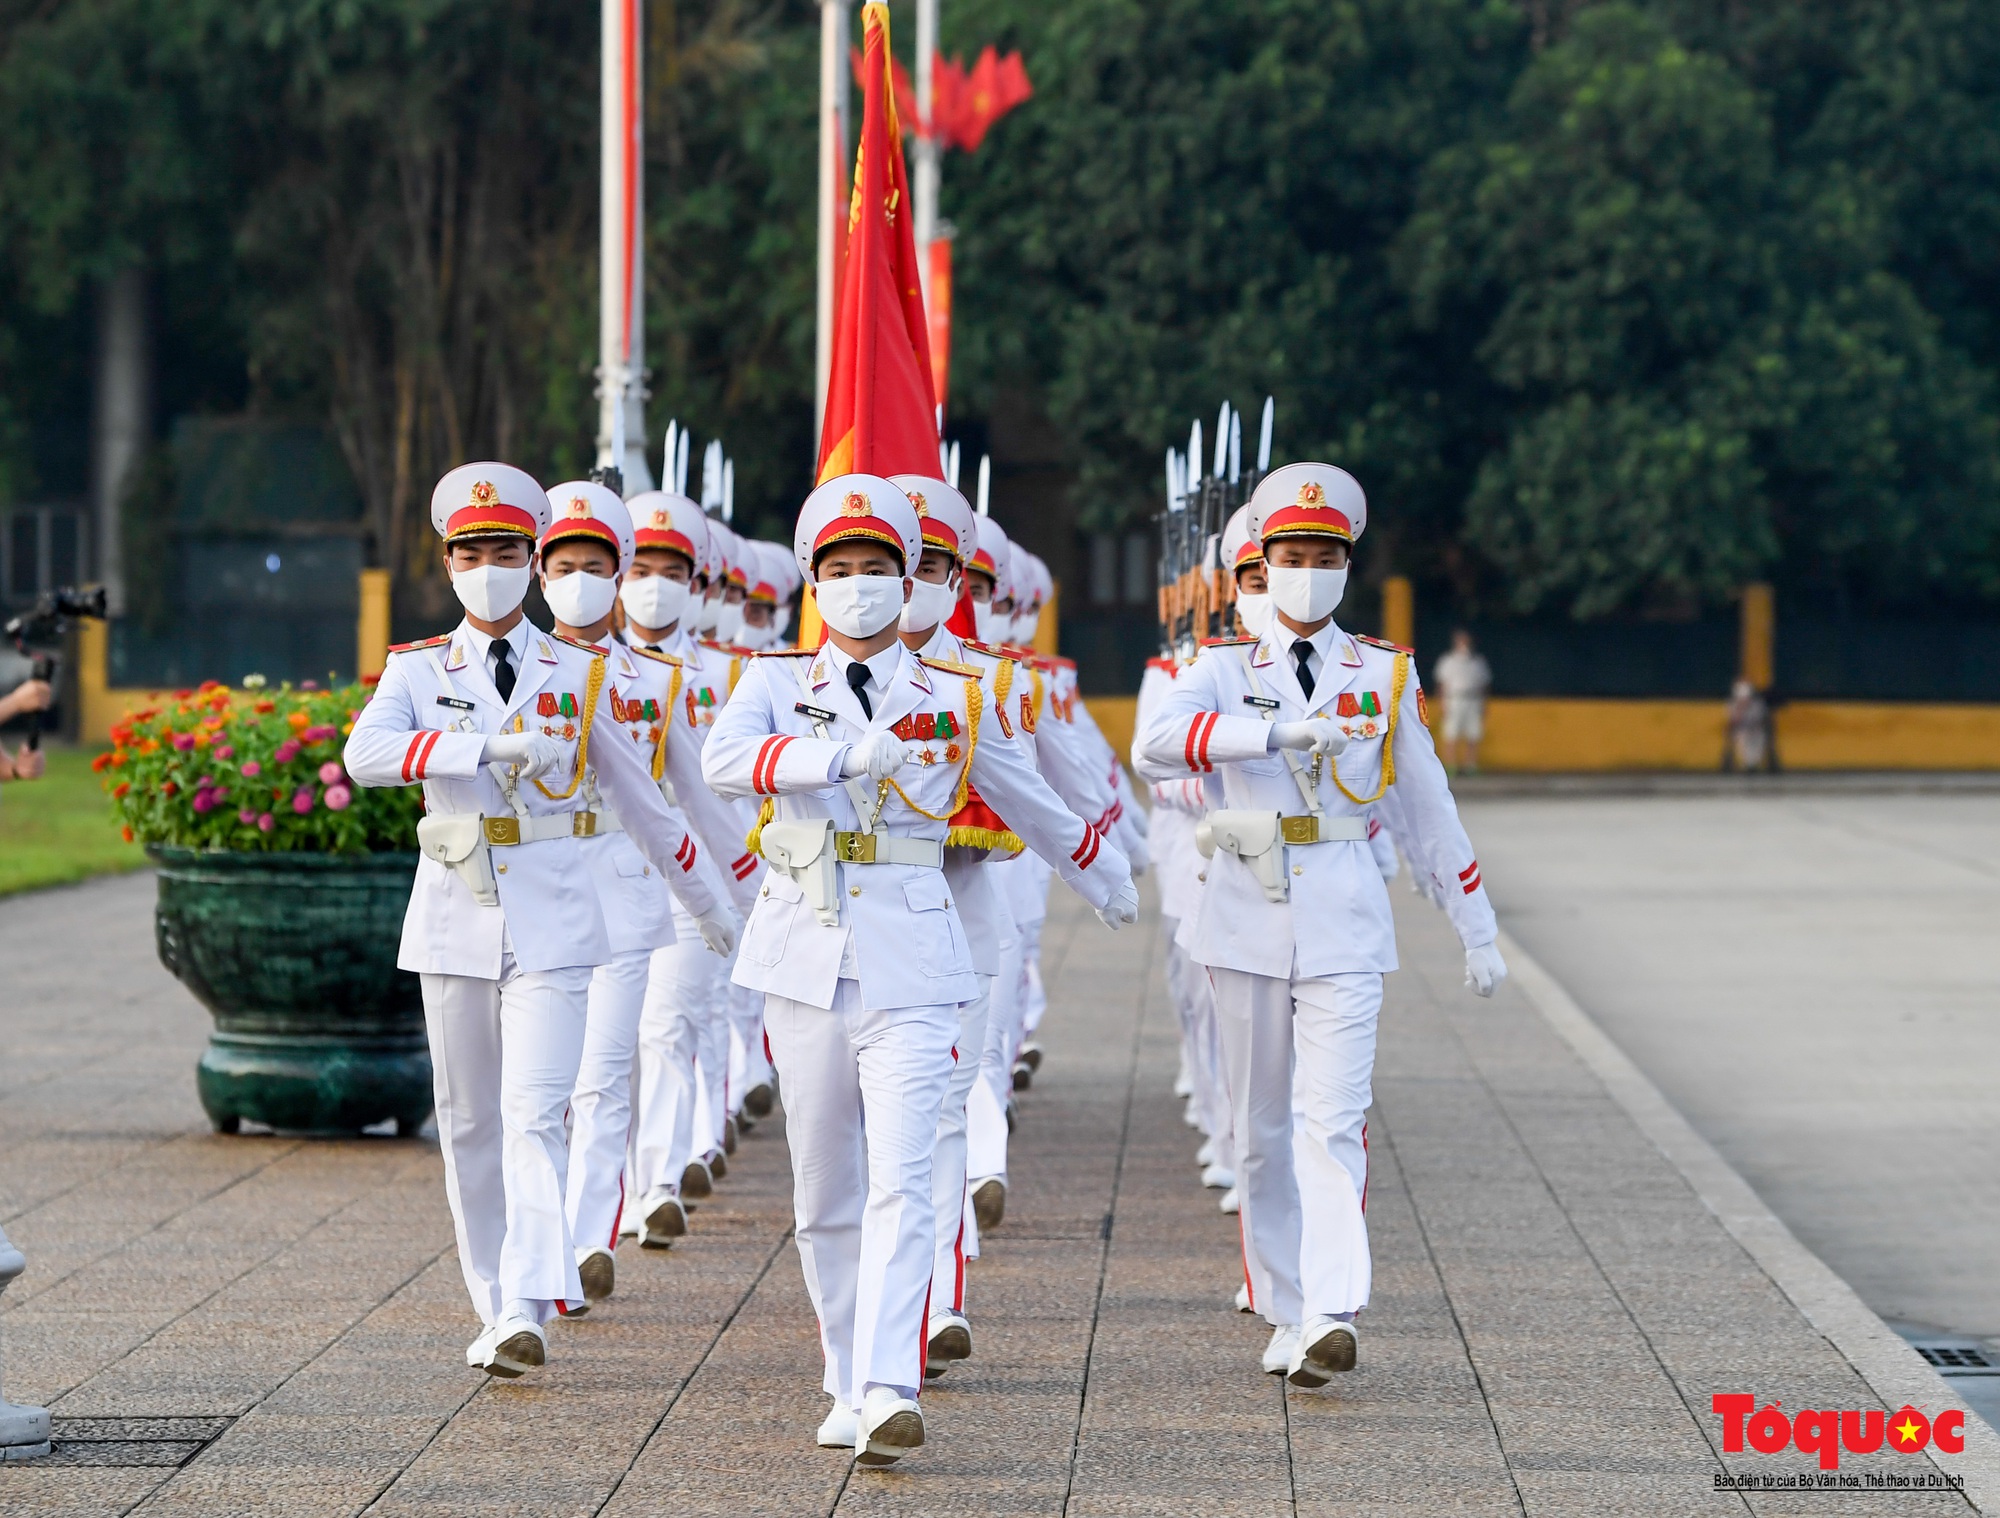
857	677
503	670
1302	651
652	648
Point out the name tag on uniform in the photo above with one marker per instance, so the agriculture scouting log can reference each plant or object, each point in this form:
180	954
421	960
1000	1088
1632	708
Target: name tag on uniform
454	703
1262	703
813	712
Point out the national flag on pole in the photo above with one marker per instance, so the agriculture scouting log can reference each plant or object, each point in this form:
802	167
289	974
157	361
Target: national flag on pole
881	407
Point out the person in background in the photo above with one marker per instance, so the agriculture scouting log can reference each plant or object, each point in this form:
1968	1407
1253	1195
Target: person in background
1463	678
1749	729
28	696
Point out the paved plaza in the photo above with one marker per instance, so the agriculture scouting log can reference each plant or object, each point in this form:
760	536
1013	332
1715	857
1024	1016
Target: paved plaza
1565	1277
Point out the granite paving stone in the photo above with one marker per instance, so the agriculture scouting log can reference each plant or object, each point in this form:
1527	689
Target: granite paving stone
1552	1308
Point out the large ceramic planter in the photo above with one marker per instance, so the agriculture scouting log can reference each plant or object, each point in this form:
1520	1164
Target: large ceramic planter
316	1029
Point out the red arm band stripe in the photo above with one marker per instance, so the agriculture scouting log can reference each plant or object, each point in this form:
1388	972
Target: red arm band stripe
1469	871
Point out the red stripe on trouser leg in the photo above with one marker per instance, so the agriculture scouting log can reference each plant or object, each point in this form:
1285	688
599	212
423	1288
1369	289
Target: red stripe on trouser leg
923	1342
1365	1169
1243	1249
958	1269
618	1215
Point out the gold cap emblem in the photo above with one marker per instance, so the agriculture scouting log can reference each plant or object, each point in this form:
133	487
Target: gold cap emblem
483	493
660	517
578	506
1312	495
856	505
917	500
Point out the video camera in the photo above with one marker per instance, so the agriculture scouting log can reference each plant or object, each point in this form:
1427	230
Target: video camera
39	632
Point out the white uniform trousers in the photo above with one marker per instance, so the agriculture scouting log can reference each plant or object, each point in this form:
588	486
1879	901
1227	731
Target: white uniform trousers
1194	1001
600	1110
1034	913
684	981
986	1104
948	1175
504	1058
1301	1144
862	1095
748	1067
711	1070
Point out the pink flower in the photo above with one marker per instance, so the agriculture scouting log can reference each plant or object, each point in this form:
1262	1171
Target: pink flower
338	798
183	741
303	802
287	752
253	769
224	751
266	822
308	685
329	772
248	816
318	734
204	801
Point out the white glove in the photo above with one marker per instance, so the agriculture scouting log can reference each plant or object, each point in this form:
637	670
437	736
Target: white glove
878	756
1317	735
1123	908
718	931
535	753
1484	968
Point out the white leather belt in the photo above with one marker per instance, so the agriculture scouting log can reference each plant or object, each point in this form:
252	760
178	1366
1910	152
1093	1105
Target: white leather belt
504	832
887	848
1310	829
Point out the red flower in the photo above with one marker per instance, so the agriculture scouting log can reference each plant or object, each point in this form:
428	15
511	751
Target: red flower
101	763
124	788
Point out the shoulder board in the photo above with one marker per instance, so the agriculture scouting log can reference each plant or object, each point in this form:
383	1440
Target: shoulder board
1164	666
775	653
985	648
589	648
404	648
970	671
1227	642
658	658
1394	648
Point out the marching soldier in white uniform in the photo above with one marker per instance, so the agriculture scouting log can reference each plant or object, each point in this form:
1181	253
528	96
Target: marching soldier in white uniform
1306	728
585	553
504	924
673	569
977	833
856	939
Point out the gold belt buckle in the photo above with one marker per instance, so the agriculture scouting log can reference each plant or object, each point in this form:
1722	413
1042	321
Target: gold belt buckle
502	829
585	825
1299	829
854	848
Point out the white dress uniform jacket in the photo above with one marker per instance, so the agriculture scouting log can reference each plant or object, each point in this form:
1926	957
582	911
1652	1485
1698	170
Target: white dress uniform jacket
429	720
898	931
1215	722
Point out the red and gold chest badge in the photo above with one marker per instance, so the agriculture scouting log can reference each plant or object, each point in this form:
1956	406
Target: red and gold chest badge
551	705
922	727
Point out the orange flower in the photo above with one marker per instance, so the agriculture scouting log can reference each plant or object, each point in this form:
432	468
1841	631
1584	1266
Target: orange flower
201	740
299	721
126	833
118	760
101	763
265	708
208	685
124	788
150	746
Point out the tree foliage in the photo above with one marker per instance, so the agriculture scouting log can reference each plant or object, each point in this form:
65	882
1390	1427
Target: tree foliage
1612	306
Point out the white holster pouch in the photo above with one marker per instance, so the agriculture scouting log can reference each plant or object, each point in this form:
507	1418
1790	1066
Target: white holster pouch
459	843
1256	838
804	851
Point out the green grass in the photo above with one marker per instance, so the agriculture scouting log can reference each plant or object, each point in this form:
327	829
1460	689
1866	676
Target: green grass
58	829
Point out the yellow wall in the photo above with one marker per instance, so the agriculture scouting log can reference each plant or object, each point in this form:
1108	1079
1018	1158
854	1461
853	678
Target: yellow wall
1528	735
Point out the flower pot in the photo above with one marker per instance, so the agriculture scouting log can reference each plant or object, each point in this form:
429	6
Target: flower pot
316	1030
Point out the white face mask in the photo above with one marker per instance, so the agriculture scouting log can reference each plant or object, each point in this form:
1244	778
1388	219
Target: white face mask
756	639
1306	595
491	592
728	621
704	615
580	598
929	605
654	602
1026	625
859	606
1254	608
781	623
992	626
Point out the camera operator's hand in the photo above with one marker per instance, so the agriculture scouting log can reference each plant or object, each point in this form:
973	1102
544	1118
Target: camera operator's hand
28	696
29	763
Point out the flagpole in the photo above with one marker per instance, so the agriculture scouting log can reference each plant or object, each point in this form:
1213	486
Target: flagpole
621	290
925	188
835	28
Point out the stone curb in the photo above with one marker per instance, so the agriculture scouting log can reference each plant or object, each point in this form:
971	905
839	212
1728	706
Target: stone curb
1896	1372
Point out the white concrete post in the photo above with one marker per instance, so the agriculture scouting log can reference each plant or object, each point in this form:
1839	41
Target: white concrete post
929	150
621	242
24	1431
835	28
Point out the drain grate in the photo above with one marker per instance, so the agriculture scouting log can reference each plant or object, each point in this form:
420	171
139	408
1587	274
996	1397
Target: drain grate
1958	1358
161	1442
